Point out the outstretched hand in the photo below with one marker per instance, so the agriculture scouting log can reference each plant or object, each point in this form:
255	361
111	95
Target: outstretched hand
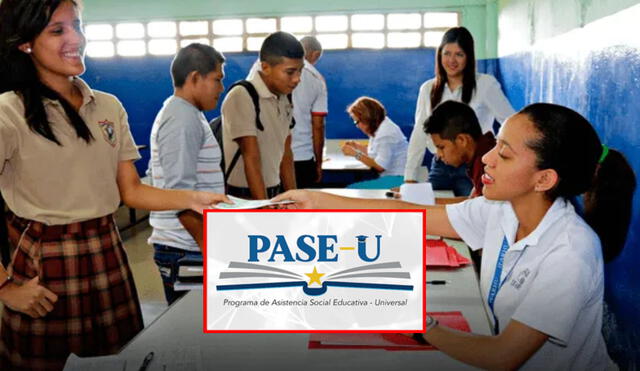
302	199
205	200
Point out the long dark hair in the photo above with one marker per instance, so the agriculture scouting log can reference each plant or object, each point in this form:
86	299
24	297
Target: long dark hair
463	38
570	145
21	22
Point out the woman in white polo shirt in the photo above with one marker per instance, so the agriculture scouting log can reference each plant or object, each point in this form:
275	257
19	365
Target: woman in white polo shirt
66	162
542	268
386	152
456	79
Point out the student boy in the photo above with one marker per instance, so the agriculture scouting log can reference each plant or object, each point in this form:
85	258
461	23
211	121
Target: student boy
457	136
185	155
265	166
309	110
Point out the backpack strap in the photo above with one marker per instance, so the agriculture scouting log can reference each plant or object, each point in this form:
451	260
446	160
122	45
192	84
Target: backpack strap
293	119
253	93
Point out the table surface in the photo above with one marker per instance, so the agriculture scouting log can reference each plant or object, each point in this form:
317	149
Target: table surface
181	327
335	160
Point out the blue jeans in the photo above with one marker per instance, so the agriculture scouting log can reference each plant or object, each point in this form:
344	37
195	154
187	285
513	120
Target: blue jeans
166	258
443	176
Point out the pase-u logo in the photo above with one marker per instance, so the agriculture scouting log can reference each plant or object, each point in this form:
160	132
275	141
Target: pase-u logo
310	248
321	248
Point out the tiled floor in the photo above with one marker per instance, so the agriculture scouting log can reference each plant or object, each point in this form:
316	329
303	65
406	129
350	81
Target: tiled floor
145	271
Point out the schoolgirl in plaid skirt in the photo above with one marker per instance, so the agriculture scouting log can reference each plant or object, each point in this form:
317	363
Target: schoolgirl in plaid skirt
66	163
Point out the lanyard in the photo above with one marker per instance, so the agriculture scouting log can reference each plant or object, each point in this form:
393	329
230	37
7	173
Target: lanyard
496	285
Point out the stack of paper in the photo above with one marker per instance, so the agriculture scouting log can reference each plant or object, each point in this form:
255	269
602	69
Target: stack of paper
453	320
439	254
242	204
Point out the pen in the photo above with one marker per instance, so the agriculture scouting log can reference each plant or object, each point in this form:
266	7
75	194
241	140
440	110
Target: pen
436	282
146	362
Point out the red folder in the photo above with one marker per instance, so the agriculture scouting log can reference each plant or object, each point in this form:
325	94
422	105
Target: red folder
387	341
439	254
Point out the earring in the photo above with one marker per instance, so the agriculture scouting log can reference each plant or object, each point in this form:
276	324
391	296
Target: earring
28	51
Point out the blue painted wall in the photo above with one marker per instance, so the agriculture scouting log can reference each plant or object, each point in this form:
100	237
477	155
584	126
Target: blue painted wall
142	84
601	84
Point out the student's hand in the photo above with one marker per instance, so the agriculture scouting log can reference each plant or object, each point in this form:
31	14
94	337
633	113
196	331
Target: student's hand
349	150
318	174
205	200
31	298
303	199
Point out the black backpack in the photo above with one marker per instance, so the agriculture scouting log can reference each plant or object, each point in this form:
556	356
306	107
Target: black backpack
216	125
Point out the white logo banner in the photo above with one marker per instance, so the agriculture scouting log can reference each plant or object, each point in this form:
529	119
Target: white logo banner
314	271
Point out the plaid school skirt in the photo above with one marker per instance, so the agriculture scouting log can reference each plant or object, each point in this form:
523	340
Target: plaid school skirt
97	311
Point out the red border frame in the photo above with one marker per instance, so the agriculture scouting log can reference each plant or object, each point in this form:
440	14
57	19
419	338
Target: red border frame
424	268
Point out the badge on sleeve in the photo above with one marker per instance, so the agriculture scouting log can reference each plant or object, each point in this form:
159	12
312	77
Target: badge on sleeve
108	131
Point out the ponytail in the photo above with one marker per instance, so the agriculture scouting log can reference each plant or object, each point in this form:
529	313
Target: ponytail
608	203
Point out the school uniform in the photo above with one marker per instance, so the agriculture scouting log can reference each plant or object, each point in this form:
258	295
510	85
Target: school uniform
309	99
62	199
488	101
388	147
239	120
552	280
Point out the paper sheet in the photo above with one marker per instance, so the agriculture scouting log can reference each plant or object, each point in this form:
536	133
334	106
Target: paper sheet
418	193
242	204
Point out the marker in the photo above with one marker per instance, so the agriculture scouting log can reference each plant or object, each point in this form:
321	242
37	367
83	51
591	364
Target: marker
437	282
146	362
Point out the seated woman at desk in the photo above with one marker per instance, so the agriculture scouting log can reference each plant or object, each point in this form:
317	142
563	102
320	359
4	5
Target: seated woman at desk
387	150
542	278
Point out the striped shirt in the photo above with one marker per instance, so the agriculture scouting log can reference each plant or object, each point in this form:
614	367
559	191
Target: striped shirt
184	155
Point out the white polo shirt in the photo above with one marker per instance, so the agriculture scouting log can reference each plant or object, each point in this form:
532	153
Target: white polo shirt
488	101
309	99
553	279
388	147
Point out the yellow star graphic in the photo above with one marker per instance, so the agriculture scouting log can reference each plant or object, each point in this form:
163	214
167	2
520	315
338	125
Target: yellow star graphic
314	276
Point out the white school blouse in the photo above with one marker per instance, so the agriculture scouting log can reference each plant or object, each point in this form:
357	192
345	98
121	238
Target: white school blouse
554	280
388	147
488	101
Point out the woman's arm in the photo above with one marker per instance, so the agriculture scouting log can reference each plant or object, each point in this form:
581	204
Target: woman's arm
351	150
437	220
141	196
507	351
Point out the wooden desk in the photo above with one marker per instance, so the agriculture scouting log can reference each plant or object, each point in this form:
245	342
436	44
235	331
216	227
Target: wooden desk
181	327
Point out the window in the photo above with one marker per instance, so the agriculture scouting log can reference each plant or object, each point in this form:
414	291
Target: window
261	25
403	39
334	31
296	24
131	48
162	29
367	22
404	21
326	23
163	47
371	40
130	30
227	27
197	28
99	32
100	49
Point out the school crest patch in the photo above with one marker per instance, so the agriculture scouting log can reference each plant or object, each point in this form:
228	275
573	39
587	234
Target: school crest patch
108	131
